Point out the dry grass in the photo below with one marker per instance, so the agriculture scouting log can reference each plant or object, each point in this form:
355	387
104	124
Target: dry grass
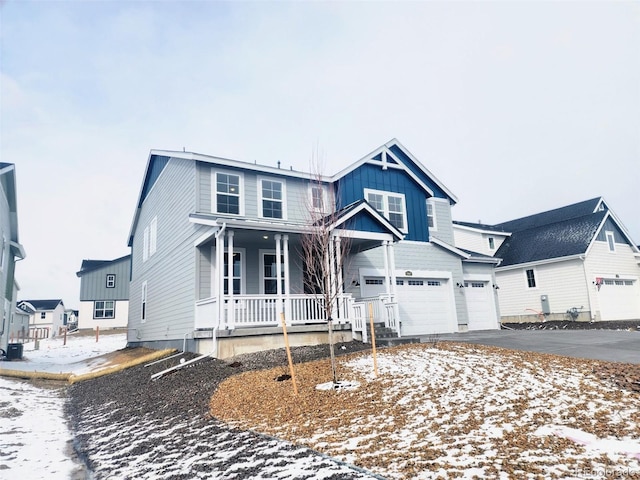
402	430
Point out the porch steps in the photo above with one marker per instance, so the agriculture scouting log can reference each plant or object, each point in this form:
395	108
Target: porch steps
387	337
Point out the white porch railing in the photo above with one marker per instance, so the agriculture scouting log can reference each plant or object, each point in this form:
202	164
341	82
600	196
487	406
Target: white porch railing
383	309
264	311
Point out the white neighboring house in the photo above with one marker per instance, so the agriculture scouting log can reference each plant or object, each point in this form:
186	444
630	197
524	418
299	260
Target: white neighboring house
576	262
46	318
104	293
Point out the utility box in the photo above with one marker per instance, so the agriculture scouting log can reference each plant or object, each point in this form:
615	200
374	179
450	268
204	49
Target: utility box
544	304
14	351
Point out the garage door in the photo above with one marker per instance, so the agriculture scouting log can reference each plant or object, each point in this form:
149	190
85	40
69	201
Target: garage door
425	306
480	305
619	299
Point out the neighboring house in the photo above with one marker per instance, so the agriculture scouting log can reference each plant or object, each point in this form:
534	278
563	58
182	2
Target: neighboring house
19	326
574	262
72	318
10	250
46	318
195	212
104	293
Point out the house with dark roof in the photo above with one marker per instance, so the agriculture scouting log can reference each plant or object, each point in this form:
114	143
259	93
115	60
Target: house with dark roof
104	293
46	317
575	262
218	253
11	251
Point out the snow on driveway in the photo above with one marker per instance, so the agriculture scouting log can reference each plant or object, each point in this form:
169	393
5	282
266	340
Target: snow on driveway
35	441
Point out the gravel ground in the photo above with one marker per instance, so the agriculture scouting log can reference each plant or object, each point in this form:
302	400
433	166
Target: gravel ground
128	426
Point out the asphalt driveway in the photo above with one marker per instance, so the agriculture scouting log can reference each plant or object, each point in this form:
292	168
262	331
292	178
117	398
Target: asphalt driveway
607	345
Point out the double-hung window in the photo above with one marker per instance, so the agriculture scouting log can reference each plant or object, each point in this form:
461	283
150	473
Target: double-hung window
611	241
111	280
531	278
227	193
391	205
272	199
270	273
103	309
431	215
317	198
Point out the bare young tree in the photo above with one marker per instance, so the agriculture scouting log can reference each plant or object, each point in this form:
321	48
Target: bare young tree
324	253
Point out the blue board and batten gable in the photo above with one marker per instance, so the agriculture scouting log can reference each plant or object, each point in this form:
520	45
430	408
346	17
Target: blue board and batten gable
397	175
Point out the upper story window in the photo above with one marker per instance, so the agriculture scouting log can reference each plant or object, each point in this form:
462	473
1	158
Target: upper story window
227	193
492	243
43	314
317	197
111	280
2	249
150	241
431	215
391	205
611	241
272	199
531	278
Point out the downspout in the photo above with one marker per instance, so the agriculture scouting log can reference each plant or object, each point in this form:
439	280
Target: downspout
214	349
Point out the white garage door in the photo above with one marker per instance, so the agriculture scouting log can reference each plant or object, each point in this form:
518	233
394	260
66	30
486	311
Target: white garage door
619	299
425	306
480	305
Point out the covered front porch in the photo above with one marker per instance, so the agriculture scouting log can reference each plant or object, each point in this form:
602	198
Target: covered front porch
267	280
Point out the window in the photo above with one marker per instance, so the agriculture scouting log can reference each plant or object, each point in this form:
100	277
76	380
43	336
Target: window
3	246
492	243
145	245
103	309
317	198
270	273
390	205
143	306
434	283
153	236
415	283
111	280
43	315
237	273
150	240
374	281
272	195
611	241
431	215
227	193
531	278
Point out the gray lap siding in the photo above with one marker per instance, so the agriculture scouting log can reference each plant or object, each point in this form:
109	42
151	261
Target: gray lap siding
170	272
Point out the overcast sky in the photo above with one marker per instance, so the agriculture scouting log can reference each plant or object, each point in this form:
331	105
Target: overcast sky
517	107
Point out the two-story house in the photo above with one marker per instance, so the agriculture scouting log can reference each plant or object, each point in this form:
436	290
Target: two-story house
217	253
576	262
46	317
10	250
104	293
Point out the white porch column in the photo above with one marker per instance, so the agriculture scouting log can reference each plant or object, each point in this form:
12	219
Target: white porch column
339	286
230	306
332	277
392	266
278	238
287	284
387	273
219	284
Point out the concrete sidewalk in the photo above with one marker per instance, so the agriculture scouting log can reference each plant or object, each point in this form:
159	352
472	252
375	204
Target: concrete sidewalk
607	345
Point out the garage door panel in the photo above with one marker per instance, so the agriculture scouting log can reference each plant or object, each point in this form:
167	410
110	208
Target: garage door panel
619	299
425	306
480	305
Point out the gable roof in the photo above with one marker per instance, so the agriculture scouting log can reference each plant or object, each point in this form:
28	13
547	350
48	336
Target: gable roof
559	233
563	238
556	215
481	227
158	159
43	304
91	265
363	208
394	155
